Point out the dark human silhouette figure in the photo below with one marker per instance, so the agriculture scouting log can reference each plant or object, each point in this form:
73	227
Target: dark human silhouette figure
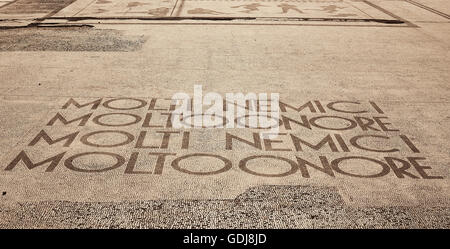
331	8
249	7
286	7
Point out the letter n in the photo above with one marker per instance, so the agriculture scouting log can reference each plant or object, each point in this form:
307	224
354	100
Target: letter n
325	169
256	141
54	161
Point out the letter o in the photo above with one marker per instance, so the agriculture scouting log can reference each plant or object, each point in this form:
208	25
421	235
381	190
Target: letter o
96	120
243	166
313	121
227	164
84	139
238	121
142	104
69	162
192	124
384	171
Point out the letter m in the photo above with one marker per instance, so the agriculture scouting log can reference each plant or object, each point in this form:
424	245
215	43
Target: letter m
54	161
42	134
83	119
94	104
326	140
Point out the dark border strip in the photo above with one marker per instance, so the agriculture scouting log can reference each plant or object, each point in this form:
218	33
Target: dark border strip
177	18
233	24
437	12
93	24
38	25
275	238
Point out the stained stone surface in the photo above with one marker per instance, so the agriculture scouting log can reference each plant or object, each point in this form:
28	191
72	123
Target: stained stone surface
259	207
68	39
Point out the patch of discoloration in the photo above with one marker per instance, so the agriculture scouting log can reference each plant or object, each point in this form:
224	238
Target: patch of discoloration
135	4
202	11
259	207
68	39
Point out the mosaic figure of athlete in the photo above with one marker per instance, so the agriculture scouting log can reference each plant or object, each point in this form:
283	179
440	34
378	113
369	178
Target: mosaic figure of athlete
286	7
249	7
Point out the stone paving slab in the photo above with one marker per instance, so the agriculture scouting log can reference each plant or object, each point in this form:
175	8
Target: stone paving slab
318	9
32	8
344	9
298	65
